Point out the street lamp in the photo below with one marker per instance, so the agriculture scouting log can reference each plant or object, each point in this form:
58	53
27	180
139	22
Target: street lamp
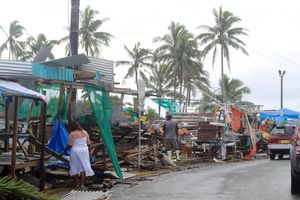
141	96
281	74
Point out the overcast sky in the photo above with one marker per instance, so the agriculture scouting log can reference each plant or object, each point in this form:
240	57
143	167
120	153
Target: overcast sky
273	41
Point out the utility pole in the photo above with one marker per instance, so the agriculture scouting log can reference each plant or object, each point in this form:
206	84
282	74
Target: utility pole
74	35
281	74
74	28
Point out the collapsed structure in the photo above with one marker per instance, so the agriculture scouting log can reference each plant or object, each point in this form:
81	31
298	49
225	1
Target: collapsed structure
227	133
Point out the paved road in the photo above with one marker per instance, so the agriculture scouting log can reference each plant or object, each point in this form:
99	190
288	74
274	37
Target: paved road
248	180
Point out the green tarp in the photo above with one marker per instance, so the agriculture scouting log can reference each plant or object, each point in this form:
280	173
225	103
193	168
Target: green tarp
52	90
102	110
168	104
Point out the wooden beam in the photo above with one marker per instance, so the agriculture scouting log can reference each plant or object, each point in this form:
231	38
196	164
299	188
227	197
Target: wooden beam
69	105
21	146
35	142
6	142
60	102
43	130
14	142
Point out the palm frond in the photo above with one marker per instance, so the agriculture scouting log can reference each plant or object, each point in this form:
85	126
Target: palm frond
19	189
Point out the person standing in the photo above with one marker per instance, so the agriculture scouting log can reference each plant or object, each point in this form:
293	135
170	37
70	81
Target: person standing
170	131
80	165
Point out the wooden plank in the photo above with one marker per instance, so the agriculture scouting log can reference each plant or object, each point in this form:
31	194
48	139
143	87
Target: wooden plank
69	105
21	146
43	132
34	141
14	142
30	163
6	142
60	101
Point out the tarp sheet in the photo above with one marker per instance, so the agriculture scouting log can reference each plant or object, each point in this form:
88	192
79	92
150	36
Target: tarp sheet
59	138
10	88
168	104
102	110
284	112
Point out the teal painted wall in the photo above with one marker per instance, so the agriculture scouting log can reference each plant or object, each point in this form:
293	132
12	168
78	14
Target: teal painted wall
52	73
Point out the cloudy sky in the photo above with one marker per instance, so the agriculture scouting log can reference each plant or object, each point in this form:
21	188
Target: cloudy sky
273	41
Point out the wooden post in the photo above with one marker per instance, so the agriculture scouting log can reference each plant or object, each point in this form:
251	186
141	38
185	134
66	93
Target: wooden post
14	142
42	131
6	142
60	102
69	103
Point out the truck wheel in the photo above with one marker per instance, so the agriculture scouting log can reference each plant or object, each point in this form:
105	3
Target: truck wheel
272	156
295	183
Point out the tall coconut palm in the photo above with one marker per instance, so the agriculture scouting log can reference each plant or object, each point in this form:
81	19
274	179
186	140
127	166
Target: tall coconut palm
90	39
224	35
35	44
12	43
196	79
170	49
234	88
140	58
159	82
181	51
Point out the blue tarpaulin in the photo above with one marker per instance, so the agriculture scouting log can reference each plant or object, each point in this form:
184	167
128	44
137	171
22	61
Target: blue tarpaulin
284	112
59	138
282	116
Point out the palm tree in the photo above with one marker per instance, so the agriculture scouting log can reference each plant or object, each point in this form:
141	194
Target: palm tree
159	83
196	79
222	35
170	49
35	44
234	88
90	39
140	58
12	44
180	49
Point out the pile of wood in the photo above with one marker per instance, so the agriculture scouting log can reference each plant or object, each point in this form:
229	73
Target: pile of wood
208	132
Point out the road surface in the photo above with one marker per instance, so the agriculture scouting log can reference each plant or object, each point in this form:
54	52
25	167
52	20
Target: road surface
246	180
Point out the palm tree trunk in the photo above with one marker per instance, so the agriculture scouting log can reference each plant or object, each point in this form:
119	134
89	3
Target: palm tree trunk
174	79
136	78
180	88
159	107
222	74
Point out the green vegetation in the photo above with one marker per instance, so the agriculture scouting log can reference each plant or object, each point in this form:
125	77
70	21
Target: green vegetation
90	39
174	70
224	35
139	61
11	188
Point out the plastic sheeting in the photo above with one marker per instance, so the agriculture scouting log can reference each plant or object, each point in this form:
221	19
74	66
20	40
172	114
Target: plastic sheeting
284	112
59	138
102	110
10	88
168	104
52	91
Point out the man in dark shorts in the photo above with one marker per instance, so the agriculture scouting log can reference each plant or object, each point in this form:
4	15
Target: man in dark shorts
170	129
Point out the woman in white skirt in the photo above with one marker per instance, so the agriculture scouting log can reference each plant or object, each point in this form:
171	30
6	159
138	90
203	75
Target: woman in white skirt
80	165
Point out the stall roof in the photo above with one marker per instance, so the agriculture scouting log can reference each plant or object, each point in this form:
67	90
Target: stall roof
284	112
10	88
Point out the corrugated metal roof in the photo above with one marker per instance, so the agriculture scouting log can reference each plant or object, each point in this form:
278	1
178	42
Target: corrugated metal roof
23	70
52	73
87	195
104	67
15	69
